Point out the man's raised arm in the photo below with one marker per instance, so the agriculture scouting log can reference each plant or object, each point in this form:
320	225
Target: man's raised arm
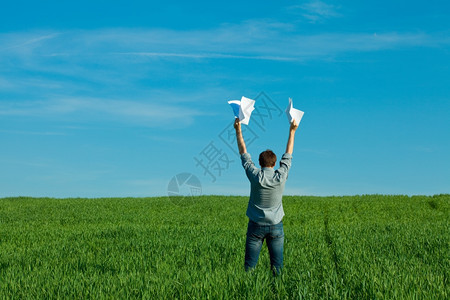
290	143
239	137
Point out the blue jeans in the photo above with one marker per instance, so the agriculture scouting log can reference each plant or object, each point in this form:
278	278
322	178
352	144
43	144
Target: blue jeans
274	236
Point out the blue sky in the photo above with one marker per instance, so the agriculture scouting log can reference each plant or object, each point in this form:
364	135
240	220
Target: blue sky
111	98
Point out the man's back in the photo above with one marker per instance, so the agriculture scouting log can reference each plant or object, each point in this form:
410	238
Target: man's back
267	185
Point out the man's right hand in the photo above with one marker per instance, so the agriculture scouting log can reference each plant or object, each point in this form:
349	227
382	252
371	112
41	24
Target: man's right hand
294	126
290	143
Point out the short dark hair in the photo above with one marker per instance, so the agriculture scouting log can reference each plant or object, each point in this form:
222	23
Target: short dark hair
267	159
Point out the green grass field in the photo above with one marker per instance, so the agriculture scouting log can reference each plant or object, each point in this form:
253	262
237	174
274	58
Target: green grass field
358	247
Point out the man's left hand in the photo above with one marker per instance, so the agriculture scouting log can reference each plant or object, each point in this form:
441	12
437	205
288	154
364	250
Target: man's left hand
237	124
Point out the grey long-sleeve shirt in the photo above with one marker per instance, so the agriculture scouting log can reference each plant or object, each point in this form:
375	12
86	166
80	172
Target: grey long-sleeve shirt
265	205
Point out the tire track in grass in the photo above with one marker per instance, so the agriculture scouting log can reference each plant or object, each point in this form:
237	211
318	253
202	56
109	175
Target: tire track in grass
332	248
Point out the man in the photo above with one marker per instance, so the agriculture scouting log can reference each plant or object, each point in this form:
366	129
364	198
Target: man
265	208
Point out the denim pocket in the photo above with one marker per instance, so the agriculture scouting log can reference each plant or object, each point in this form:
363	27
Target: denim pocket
255	230
277	231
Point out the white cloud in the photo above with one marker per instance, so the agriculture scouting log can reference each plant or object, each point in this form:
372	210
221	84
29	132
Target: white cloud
15	42
249	40
6	84
205	56
23	132
149	113
315	11
82	72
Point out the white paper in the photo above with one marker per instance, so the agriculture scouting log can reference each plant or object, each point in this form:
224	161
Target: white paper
235	105
243	109
293	113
